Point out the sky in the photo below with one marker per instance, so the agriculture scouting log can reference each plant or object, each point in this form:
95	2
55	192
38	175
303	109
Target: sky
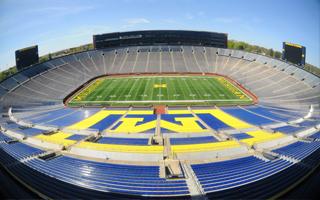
59	24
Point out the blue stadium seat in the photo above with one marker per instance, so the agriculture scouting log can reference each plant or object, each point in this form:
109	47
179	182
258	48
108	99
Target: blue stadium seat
106	122
17	150
224	175
29	131
72	118
126	179
269	113
309	123
76	137
316	135
241	136
213	122
298	150
192	140
247	116
50	115
171	117
4	138
123	141
289	129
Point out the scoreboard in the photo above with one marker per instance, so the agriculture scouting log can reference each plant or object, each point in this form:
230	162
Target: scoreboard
294	53
26	57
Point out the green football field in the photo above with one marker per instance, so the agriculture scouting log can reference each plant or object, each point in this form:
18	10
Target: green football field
155	90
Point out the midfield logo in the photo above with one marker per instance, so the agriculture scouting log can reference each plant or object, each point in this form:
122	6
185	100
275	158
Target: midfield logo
160	85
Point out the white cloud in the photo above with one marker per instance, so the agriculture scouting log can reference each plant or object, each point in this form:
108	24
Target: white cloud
132	22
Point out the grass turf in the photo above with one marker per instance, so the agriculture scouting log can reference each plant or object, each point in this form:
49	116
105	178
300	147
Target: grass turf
154	90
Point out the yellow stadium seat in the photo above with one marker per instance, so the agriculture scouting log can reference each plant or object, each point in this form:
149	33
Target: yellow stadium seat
179	112
225	118
257	136
120	148
90	121
57	138
188	125
140	112
204	147
261	136
128	125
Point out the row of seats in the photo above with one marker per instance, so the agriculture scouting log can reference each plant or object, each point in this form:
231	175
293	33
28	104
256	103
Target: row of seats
214	177
23	130
123	141
289	129
298	150
13	151
4	138
316	135
192	140
125	179
234	173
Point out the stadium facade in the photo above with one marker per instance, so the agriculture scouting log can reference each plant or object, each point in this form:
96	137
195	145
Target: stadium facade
256	151
160	37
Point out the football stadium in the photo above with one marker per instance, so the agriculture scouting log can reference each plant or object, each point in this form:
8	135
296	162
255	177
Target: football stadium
154	114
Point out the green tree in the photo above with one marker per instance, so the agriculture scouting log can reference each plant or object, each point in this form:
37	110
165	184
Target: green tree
277	54
270	53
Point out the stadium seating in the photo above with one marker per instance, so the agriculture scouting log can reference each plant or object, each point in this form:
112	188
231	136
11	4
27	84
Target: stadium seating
248	117
286	95
316	135
123	141
100	121
103	177
224	118
192	140
60	76
203	147
4	138
228	174
11	152
121	147
29	131
57	138
289	129
298	150
240	136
